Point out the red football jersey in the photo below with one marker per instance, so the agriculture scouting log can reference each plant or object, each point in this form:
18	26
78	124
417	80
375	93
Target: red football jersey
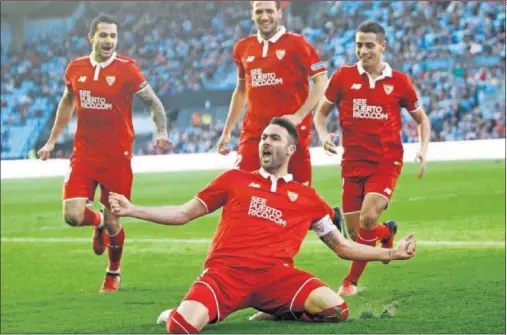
277	76
370	111
104	93
264	220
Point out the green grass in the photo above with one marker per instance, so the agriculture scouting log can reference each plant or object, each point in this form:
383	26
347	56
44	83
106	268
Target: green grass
53	287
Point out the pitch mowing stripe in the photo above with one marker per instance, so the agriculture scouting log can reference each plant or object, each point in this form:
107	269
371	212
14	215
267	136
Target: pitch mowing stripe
465	244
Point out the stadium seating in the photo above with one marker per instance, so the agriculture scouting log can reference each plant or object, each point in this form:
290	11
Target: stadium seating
454	52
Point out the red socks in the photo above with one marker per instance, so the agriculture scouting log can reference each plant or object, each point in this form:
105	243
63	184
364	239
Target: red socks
333	314
176	324
115	250
366	237
91	218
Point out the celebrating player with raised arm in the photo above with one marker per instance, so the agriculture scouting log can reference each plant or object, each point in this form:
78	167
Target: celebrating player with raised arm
274	69
369	96
266	216
102	87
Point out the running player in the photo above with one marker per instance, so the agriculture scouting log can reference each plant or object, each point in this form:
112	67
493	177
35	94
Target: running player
369	96
274	70
102	87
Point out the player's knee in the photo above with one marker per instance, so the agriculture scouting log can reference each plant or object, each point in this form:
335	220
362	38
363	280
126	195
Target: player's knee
369	219
177	324
321	299
336	313
73	217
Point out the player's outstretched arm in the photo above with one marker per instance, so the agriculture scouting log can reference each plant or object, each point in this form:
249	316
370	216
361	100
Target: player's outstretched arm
238	102
63	116
167	215
157	111
358	252
319	86
320	120
424	130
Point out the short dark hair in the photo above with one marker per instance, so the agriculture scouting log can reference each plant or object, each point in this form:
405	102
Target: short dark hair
278	4
289	126
102	18
372	27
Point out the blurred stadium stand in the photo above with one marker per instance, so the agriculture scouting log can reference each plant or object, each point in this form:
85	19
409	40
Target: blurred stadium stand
454	52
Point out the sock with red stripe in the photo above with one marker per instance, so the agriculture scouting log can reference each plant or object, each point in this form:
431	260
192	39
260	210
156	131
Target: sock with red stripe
115	250
382	231
91	218
366	237
333	314
176	324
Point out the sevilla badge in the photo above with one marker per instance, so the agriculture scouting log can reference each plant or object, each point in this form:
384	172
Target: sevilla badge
292	196
110	80
280	53
388	89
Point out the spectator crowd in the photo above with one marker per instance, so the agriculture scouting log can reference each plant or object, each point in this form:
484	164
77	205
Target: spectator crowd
453	51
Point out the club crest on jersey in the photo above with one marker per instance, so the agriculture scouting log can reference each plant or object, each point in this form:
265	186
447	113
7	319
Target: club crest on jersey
292	196
388	89
110	80
280	53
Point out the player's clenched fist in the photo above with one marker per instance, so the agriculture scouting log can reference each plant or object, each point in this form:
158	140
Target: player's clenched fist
119	204
162	141
406	247
328	144
45	151
223	142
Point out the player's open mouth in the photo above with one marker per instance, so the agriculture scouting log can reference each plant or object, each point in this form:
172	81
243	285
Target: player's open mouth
266	153
107	48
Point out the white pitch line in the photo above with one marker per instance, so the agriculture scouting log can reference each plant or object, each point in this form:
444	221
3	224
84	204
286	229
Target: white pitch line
208	241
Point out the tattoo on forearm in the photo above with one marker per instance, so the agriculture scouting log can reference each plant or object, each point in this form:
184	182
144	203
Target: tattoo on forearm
158	115
392	253
155	107
331	240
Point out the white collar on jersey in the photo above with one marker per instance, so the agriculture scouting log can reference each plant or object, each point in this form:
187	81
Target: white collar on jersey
274	181
100	65
281	30
267	175
386	72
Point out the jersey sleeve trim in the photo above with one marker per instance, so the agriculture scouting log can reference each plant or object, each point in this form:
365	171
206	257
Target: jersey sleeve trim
327	100
203	203
324	226
319	73
141	89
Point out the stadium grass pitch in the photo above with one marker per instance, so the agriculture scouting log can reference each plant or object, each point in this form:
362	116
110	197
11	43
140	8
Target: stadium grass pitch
50	277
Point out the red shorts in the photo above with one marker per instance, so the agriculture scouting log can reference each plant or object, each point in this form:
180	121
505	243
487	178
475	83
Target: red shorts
84	176
361	178
300	165
277	290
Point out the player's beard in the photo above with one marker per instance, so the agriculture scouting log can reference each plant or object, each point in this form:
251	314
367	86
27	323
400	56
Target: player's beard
272	163
104	54
270	31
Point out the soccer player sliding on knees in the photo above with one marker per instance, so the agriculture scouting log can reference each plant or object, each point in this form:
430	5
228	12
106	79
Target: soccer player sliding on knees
266	215
101	87
369	96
